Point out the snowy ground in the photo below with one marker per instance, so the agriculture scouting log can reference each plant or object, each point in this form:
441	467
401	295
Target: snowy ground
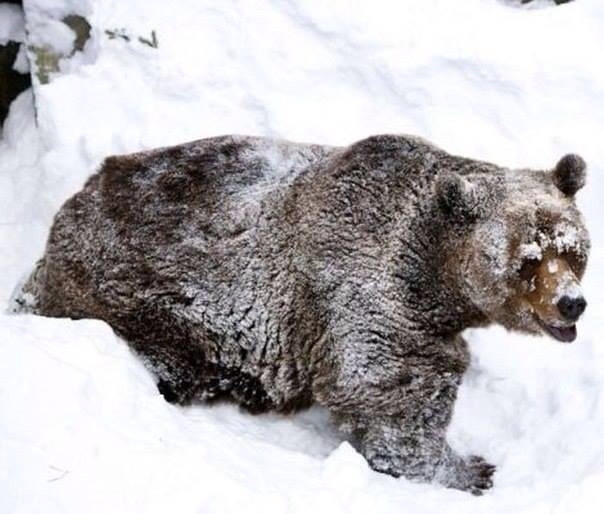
83	428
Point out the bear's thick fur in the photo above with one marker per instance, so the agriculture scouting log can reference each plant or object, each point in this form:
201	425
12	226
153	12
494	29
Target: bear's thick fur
279	274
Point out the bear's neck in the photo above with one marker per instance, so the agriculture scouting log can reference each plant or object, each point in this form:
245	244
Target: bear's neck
455	289
429	277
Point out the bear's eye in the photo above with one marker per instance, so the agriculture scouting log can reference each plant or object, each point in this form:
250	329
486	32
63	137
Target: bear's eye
576	262
529	268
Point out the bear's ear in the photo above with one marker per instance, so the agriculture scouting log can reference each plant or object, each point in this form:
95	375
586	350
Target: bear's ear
569	174
458	199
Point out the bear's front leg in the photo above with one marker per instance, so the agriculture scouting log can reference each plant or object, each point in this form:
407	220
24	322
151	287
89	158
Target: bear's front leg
404	447
397	406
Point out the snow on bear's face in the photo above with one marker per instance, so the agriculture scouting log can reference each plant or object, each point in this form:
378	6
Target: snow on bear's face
529	254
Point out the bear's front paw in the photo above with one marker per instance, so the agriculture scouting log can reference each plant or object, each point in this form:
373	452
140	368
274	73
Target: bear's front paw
479	475
472	474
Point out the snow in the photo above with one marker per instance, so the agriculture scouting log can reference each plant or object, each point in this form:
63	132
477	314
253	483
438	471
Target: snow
83	428
21	63
566	237
531	251
568	286
11	23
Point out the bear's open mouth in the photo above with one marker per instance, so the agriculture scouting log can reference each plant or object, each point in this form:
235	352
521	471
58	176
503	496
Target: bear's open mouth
563	334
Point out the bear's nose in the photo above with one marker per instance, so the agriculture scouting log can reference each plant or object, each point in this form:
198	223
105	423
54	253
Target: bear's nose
571	308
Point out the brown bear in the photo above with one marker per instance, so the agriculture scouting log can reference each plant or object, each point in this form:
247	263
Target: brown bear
278	274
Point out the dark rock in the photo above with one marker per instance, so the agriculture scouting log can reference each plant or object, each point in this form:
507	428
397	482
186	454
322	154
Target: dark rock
12	83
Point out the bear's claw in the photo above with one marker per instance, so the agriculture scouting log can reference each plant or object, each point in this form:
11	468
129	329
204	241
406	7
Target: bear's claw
472	474
480	475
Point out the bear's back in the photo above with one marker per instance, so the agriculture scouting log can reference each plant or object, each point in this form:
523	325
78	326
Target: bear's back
203	175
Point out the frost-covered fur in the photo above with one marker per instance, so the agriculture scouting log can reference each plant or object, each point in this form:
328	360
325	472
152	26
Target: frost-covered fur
279	274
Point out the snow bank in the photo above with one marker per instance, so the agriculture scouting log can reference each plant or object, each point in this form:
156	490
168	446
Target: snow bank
11	23
83	428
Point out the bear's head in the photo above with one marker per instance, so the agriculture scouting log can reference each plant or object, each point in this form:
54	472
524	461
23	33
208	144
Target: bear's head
525	245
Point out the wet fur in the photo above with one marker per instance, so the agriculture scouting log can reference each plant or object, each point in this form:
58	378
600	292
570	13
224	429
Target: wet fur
278	274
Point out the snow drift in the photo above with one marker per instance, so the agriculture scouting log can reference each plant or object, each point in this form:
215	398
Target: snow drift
83	427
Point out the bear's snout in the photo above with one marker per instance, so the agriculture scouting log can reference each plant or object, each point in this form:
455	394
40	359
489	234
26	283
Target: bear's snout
556	298
571	308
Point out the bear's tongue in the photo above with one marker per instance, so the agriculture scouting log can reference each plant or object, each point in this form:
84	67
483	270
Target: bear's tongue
564	334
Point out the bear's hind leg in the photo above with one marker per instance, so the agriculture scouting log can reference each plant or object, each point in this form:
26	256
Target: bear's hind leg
184	372
179	371
168	349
